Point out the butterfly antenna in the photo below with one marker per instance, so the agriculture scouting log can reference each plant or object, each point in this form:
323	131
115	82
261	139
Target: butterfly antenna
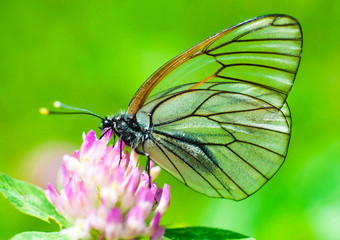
74	110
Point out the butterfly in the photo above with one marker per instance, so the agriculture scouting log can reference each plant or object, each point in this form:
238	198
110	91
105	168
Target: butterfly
215	116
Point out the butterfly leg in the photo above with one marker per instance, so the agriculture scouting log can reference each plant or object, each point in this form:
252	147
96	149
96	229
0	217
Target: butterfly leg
103	134
120	150
147	167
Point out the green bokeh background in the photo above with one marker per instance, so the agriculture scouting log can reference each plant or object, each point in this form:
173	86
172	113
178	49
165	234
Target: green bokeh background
95	54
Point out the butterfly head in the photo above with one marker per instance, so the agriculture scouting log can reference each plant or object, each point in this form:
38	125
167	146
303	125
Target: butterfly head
107	122
119	123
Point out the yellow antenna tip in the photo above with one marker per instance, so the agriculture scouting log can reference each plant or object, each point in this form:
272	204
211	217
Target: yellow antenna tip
57	104
44	111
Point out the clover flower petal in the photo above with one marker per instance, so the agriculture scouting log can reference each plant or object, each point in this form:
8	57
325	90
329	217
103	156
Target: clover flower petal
104	191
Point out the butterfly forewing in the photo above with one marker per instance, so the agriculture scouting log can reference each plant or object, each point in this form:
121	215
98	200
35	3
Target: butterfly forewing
264	52
217	113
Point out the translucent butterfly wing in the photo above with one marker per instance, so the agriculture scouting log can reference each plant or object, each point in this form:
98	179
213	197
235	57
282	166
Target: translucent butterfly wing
263	51
220	120
221	143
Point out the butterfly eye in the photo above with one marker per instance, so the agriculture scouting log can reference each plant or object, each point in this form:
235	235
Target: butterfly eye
106	123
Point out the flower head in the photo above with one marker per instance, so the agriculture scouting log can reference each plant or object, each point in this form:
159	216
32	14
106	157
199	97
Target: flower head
103	191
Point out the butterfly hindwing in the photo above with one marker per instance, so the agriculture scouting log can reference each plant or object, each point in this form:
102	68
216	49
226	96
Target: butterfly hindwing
221	143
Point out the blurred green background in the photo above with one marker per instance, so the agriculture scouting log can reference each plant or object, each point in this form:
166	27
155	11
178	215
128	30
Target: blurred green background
95	54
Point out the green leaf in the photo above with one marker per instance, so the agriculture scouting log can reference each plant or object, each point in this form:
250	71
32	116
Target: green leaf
40	235
29	199
203	233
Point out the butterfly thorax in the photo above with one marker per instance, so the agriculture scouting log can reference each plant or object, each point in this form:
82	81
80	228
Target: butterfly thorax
127	128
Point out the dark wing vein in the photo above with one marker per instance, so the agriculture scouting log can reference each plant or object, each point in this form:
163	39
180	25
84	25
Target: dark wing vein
256	145
153	140
252	52
257	65
269	39
174	153
235	111
257	170
199	145
244	125
252	83
219	167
